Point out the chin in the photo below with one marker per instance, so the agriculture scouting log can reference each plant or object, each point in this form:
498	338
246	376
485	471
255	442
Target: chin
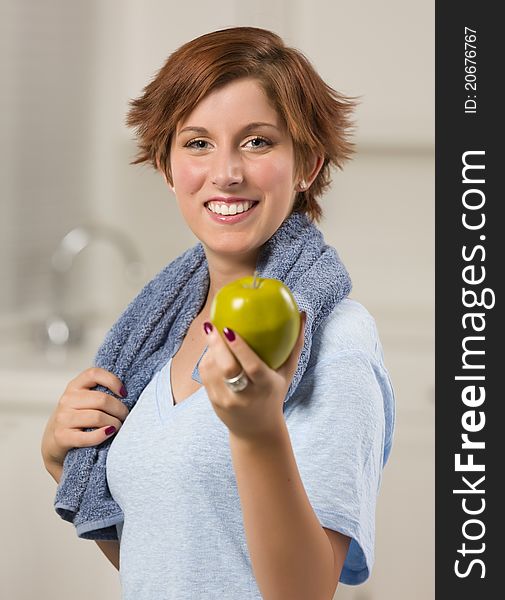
231	249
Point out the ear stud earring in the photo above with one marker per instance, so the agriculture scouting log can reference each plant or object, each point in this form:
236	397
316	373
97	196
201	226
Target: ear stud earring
303	185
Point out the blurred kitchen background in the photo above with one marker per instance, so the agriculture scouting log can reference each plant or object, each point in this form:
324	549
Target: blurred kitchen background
81	231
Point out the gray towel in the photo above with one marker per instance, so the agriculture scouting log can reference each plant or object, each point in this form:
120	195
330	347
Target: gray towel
152	328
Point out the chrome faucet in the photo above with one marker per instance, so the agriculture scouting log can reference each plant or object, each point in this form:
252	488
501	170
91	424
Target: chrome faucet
61	329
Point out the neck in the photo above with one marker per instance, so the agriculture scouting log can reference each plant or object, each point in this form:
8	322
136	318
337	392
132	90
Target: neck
225	269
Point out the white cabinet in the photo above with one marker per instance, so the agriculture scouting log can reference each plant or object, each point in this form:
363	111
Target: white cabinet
41	556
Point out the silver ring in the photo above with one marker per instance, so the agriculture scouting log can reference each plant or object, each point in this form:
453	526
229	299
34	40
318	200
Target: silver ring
238	383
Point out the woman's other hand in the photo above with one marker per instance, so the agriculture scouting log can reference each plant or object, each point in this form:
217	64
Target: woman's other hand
256	411
80	408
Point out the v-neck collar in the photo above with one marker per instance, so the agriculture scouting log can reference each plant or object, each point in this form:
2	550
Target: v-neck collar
164	394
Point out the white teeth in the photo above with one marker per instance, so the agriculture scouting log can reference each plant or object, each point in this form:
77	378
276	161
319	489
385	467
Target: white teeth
229	209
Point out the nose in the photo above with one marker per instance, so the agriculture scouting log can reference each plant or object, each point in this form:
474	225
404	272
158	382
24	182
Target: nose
226	169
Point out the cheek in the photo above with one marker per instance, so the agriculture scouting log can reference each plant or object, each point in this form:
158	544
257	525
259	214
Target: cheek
275	177
188	177
277	172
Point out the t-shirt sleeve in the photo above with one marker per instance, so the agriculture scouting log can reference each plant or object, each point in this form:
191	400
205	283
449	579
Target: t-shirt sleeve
338	429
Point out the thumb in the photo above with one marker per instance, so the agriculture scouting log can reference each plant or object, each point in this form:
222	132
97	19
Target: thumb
288	369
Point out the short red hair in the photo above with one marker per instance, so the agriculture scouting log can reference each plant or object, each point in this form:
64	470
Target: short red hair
317	117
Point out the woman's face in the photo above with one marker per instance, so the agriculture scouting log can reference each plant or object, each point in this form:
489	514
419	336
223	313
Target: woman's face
234	152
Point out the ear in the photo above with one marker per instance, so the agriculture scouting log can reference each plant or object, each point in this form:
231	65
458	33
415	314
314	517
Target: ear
317	163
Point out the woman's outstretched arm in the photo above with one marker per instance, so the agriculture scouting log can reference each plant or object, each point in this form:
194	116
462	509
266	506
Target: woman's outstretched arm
292	555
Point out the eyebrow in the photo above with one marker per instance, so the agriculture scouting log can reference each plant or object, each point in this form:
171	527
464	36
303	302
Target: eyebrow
248	127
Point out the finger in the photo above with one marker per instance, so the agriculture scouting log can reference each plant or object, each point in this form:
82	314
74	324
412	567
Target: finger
288	368
84	419
97	376
247	358
222	356
94	400
75	438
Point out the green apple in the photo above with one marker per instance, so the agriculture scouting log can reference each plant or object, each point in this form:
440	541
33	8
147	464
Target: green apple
263	312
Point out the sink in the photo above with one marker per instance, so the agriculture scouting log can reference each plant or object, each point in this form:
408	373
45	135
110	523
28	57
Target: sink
34	373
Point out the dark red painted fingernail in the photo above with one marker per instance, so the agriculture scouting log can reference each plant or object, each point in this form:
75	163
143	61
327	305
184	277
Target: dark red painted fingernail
229	333
110	430
208	327
123	391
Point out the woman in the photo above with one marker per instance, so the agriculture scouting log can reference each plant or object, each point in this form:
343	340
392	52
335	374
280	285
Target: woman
266	489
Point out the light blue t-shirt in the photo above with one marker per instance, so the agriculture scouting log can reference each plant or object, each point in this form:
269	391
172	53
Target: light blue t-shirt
170	470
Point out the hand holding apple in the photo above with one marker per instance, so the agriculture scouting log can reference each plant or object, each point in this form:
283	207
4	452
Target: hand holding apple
254	413
263	312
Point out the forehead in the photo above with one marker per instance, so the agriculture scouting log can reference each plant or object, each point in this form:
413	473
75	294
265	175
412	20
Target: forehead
238	103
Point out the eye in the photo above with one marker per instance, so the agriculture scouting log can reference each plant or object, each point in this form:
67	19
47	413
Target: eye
258	142
197	144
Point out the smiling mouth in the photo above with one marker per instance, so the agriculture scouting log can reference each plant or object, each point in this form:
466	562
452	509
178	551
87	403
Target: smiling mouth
230	209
